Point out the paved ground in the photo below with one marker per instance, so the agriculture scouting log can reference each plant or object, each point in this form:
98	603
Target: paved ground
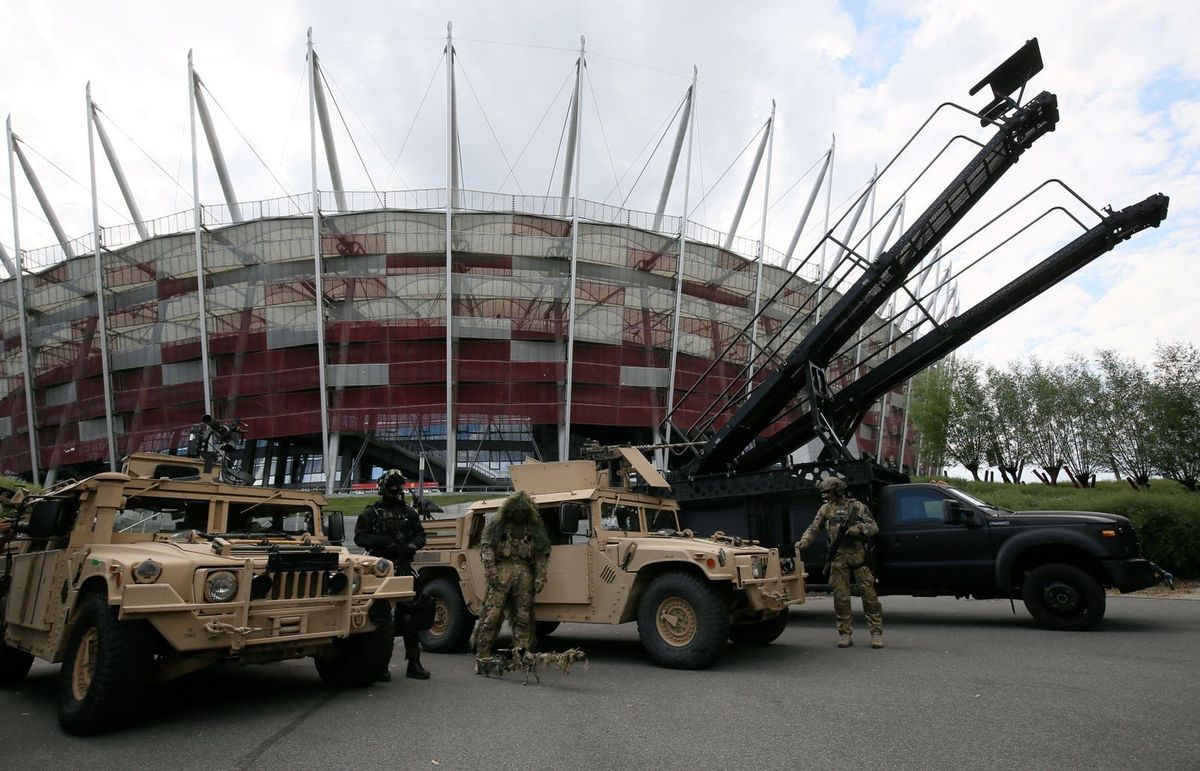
962	684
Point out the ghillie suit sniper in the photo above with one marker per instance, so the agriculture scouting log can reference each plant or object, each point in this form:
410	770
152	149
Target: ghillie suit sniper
515	550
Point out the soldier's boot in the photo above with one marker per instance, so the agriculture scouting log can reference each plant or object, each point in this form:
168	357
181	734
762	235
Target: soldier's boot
876	639
384	677
415	670
844	640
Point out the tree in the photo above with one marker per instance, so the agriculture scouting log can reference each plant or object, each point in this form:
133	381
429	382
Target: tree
1082	448
1045	386
1008	395
1123	418
930	411
1173	411
970	420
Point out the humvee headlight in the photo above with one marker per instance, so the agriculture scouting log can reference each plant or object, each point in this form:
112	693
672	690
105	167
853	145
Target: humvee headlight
356	582
721	557
383	567
758	567
146	572
338	583
221	586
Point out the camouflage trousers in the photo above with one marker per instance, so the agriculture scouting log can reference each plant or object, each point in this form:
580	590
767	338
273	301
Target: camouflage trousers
839	581
512	590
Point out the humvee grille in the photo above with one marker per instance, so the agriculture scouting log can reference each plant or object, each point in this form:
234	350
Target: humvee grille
297	585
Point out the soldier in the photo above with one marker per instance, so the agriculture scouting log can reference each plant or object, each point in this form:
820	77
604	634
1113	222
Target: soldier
391	528
515	550
848	524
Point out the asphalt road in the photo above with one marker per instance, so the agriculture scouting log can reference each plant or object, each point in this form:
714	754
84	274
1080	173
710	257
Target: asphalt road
962	684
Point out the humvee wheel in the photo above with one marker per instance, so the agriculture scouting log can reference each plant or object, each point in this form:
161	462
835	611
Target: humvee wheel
358	660
14	662
683	621
106	671
452	621
544	628
762	632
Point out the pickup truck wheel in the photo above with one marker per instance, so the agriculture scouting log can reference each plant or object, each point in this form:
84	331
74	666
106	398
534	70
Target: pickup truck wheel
452	621
107	670
14	662
683	621
1063	597
358	660
762	632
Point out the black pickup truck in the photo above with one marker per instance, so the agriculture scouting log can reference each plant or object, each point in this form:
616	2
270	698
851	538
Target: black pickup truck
937	540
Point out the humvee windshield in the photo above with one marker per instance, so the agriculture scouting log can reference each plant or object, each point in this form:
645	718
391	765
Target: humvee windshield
661	519
290	518
153	514
620	517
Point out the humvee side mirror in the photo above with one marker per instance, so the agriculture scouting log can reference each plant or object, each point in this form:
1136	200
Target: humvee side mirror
953	513
569	517
43	519
335	527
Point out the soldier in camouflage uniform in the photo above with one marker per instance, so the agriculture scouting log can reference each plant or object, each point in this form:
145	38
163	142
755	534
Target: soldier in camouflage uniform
515	549
849	524
390	528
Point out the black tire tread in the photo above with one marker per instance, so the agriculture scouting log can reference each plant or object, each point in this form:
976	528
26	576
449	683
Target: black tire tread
712	617
462	621
1088	586
763	632
358	660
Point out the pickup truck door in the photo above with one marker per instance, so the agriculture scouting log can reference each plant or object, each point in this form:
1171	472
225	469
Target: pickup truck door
920	554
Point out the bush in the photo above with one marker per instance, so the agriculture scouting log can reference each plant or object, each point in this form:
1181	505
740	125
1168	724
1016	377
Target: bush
1167	516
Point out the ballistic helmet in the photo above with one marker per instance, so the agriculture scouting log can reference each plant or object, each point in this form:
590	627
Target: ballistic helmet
832	487
391	484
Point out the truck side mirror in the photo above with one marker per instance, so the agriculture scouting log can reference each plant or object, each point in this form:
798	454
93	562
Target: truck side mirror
569	517
952	513
335	527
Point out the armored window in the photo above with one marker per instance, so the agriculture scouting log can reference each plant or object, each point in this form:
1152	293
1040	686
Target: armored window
661	519
616	517
290	519
153	514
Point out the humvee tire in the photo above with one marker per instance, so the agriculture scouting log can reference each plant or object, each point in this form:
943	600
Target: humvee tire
763	632
683	621
452	621
544	628
107	670
14	663
358	660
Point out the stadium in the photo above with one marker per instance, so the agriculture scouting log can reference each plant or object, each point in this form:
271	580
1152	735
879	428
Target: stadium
526	324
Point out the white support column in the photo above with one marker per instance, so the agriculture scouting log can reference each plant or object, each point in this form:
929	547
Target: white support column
318	273
825	238
564	440
687	183
451	460
684	120
26	360
198	216
115	164
762	248
573	131
43	201
214	145
335	169
812	198
741	207
891	312
101	314
9	266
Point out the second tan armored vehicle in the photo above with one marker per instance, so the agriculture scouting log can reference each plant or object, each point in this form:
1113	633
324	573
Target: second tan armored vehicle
128	578
617	556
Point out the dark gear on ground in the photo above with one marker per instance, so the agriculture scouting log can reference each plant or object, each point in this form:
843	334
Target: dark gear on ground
850	526
390	528
515	549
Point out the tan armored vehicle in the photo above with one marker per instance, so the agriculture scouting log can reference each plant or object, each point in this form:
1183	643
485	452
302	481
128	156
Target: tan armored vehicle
617	556
128	578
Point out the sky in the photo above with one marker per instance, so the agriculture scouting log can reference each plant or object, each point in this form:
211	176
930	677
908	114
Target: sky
1127	77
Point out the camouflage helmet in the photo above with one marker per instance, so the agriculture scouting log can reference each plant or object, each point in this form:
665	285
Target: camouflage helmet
832	487
391	484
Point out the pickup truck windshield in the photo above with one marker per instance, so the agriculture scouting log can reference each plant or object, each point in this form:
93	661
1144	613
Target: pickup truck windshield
976	501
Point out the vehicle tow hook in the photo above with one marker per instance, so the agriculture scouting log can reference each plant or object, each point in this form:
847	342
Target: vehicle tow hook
215	628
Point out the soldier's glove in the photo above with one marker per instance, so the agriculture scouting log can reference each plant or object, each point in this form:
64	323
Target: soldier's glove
800	546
